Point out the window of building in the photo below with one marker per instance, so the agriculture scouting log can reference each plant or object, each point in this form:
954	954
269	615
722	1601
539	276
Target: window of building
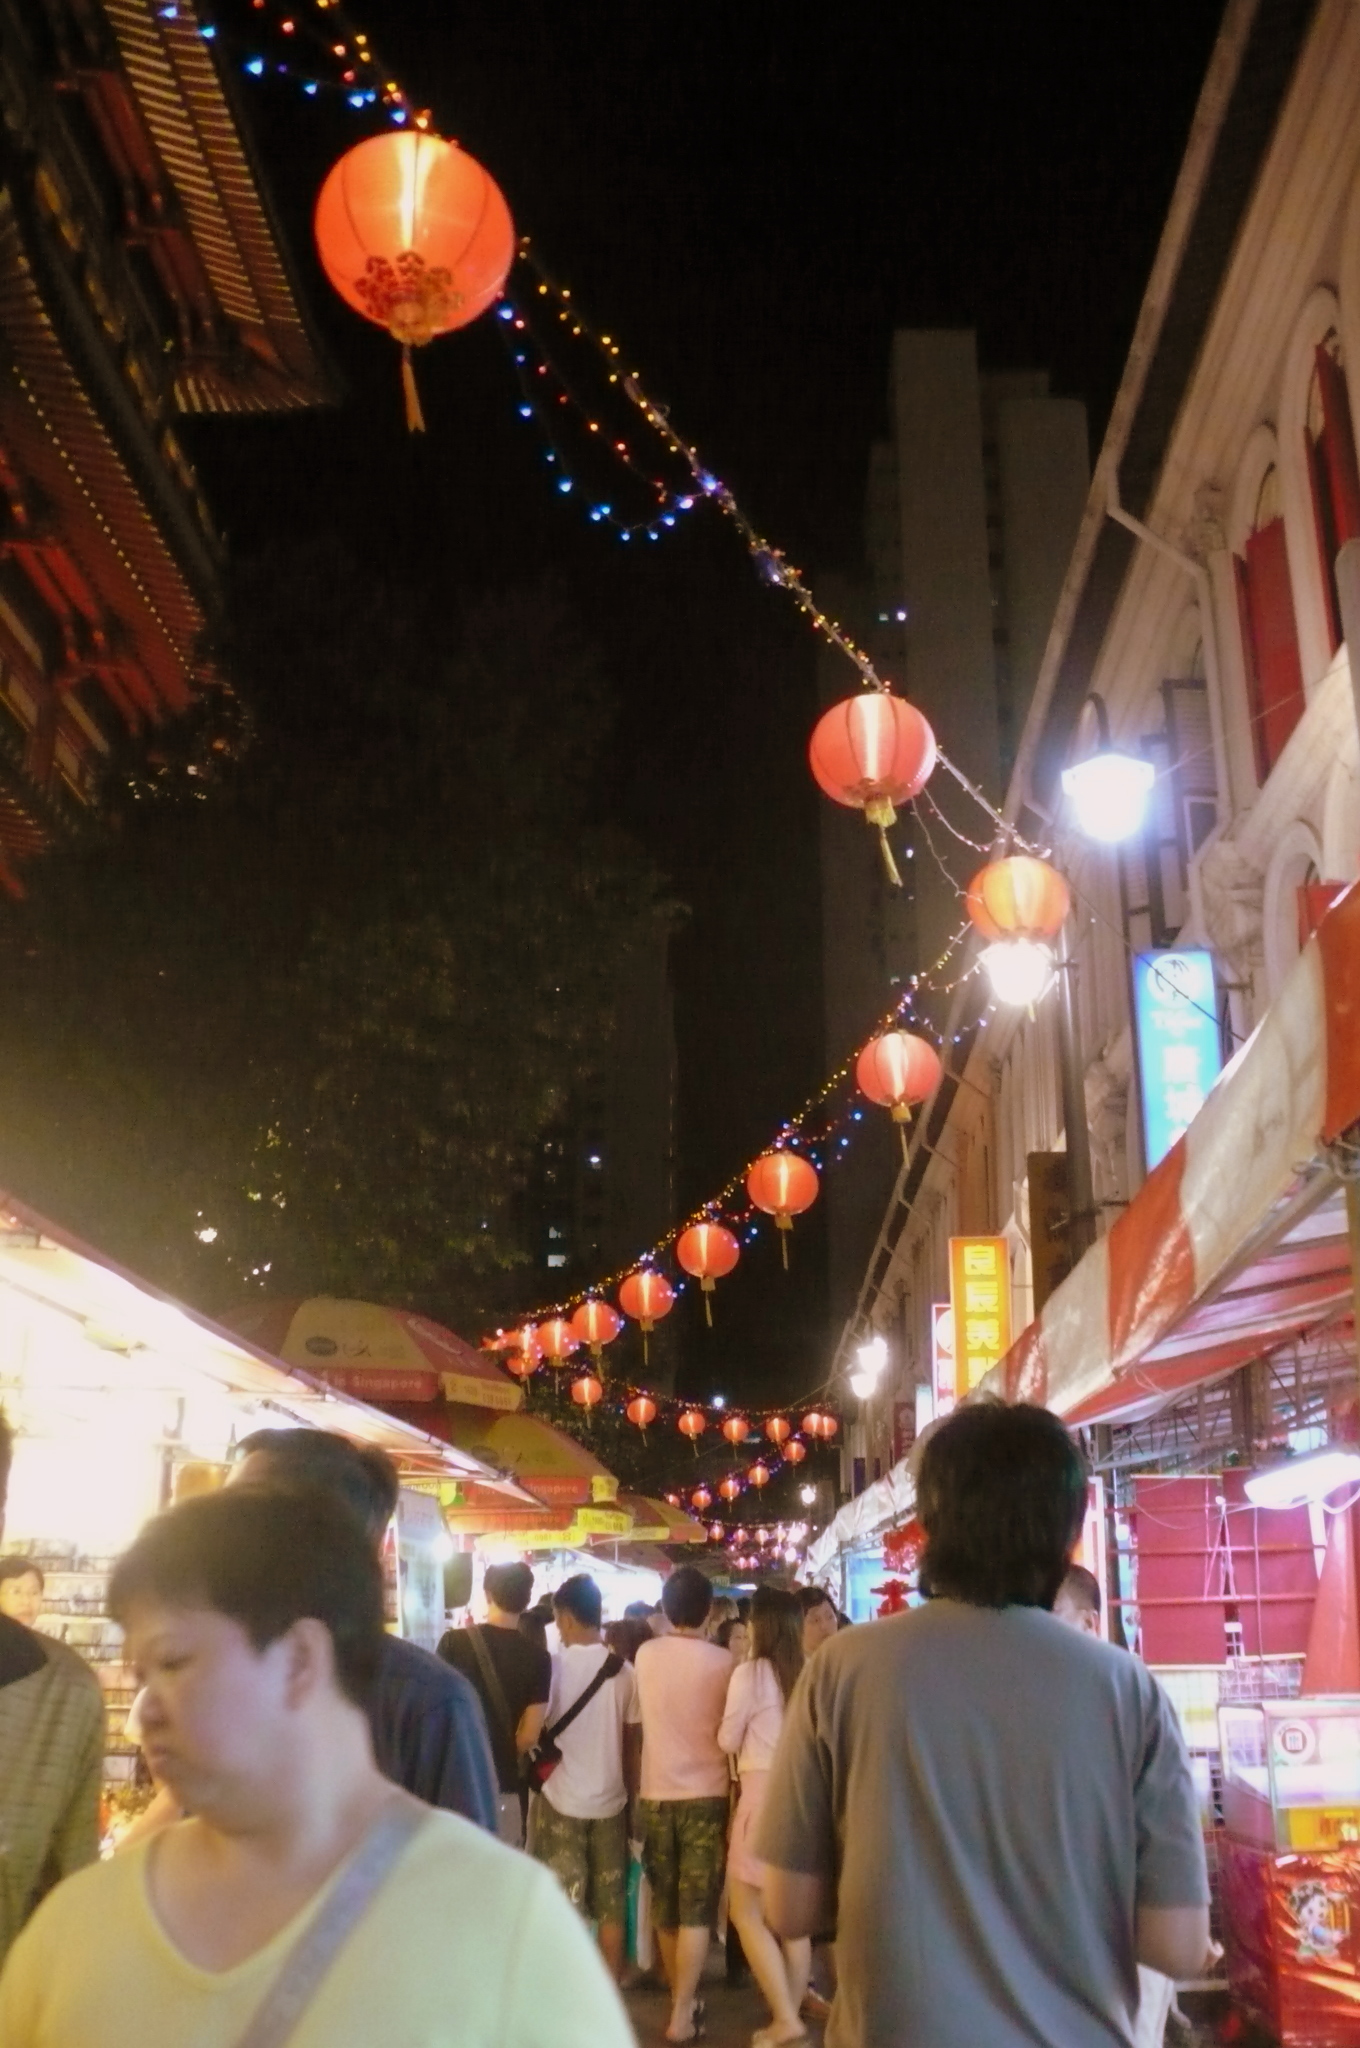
1329	450
1270	641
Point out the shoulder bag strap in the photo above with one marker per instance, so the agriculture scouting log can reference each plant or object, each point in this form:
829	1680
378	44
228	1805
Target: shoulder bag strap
611	1667
491	1678
304	1968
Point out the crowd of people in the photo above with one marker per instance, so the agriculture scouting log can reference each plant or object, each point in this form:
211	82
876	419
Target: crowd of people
976	1814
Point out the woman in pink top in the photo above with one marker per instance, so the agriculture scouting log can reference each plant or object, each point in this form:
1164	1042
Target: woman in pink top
756	1697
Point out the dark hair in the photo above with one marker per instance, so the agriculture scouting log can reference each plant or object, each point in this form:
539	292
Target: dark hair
360	1474
1082	1589
723	1634
533	1626
580	1598
6	1458
777	1633
809	1597
1001	1495
21	1568
509	1587
265	1557
686	1597
626	1637
638	1610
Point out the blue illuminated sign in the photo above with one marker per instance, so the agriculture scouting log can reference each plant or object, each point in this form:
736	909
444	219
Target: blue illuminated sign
1179	1046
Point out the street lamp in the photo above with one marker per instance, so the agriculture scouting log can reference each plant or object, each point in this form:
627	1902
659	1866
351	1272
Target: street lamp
872	1355
1020	971
1108	789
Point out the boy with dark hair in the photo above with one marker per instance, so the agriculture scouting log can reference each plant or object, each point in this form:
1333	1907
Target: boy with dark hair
578	1822
682	1693
428	1732
254	1620
1078	1602
51	1757
995	1812
512	1676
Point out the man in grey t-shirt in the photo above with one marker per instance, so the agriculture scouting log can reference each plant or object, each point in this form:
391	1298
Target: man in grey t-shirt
995	1811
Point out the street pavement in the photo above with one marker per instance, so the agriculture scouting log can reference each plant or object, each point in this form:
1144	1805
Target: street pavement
731	2016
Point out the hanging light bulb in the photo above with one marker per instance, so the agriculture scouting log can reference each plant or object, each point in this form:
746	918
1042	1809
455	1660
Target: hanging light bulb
1109	792
1019	970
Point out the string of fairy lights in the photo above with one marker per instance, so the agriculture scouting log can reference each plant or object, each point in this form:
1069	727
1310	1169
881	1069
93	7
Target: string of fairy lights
661	478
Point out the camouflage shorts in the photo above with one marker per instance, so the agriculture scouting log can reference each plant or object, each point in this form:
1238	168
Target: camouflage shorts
684	1854
589	1858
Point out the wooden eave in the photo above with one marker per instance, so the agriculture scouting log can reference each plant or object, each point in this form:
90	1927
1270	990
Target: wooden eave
221	225
119	559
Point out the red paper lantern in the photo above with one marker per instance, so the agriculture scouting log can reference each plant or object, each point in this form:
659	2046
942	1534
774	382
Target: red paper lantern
759	1474
414	235
558	1340
778	1429
586	1391
646	1297
872	752
897	1070
783	1184
736	1429
707	1253
716	1532
795	1450
522	1364
672	1500
700	1499
1020	897
829	1428
813	1424
730	1487
596	1324
641	1411
692	1423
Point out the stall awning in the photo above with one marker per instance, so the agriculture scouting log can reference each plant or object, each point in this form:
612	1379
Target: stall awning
1237	1239
380	1354
134	1334
881	1506
555	1468
656	1521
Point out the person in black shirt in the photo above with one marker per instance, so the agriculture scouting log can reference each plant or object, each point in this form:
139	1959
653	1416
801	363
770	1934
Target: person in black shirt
513	1677
429	1735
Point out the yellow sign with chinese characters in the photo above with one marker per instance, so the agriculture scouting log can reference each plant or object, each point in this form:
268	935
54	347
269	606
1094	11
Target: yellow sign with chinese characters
980	1295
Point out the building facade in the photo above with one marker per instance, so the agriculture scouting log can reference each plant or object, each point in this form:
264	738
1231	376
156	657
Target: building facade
1200	606
142	282
972	506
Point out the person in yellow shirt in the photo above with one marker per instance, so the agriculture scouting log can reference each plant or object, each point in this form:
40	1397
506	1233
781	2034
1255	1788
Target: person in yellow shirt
254	1622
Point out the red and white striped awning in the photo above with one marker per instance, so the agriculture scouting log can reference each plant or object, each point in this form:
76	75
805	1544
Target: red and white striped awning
1237	1239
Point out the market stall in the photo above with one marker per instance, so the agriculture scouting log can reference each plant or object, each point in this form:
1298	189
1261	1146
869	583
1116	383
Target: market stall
122	1400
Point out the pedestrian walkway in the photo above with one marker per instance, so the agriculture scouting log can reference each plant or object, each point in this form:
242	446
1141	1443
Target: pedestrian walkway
730	2016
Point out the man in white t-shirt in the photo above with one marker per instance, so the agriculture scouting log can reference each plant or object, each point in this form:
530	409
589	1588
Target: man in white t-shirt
682	1691
578	1823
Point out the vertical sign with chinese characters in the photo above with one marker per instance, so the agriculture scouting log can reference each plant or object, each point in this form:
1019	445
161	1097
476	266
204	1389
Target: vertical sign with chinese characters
980	1293
943	1373
1179	1047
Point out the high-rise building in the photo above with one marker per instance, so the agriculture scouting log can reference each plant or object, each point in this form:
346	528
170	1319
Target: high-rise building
973	504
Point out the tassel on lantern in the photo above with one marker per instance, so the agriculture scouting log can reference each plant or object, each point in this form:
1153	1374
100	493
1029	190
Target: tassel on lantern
883	815
415	418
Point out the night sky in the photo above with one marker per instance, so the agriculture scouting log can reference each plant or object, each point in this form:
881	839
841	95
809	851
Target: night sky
752	211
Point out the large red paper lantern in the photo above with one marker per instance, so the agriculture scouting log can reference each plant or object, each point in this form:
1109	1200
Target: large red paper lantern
759	1474
646	1296
830	1426
730	1487
700	1499
558	1340
736	1429
783	1184
707	1253
778	1429
586	1391
897	1070
641	1411
692	1423
414	235
596	1324
815	1425
795	1450
1020	897
872	752
522	1364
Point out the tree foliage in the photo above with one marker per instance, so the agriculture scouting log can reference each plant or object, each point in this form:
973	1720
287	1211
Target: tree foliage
345	957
